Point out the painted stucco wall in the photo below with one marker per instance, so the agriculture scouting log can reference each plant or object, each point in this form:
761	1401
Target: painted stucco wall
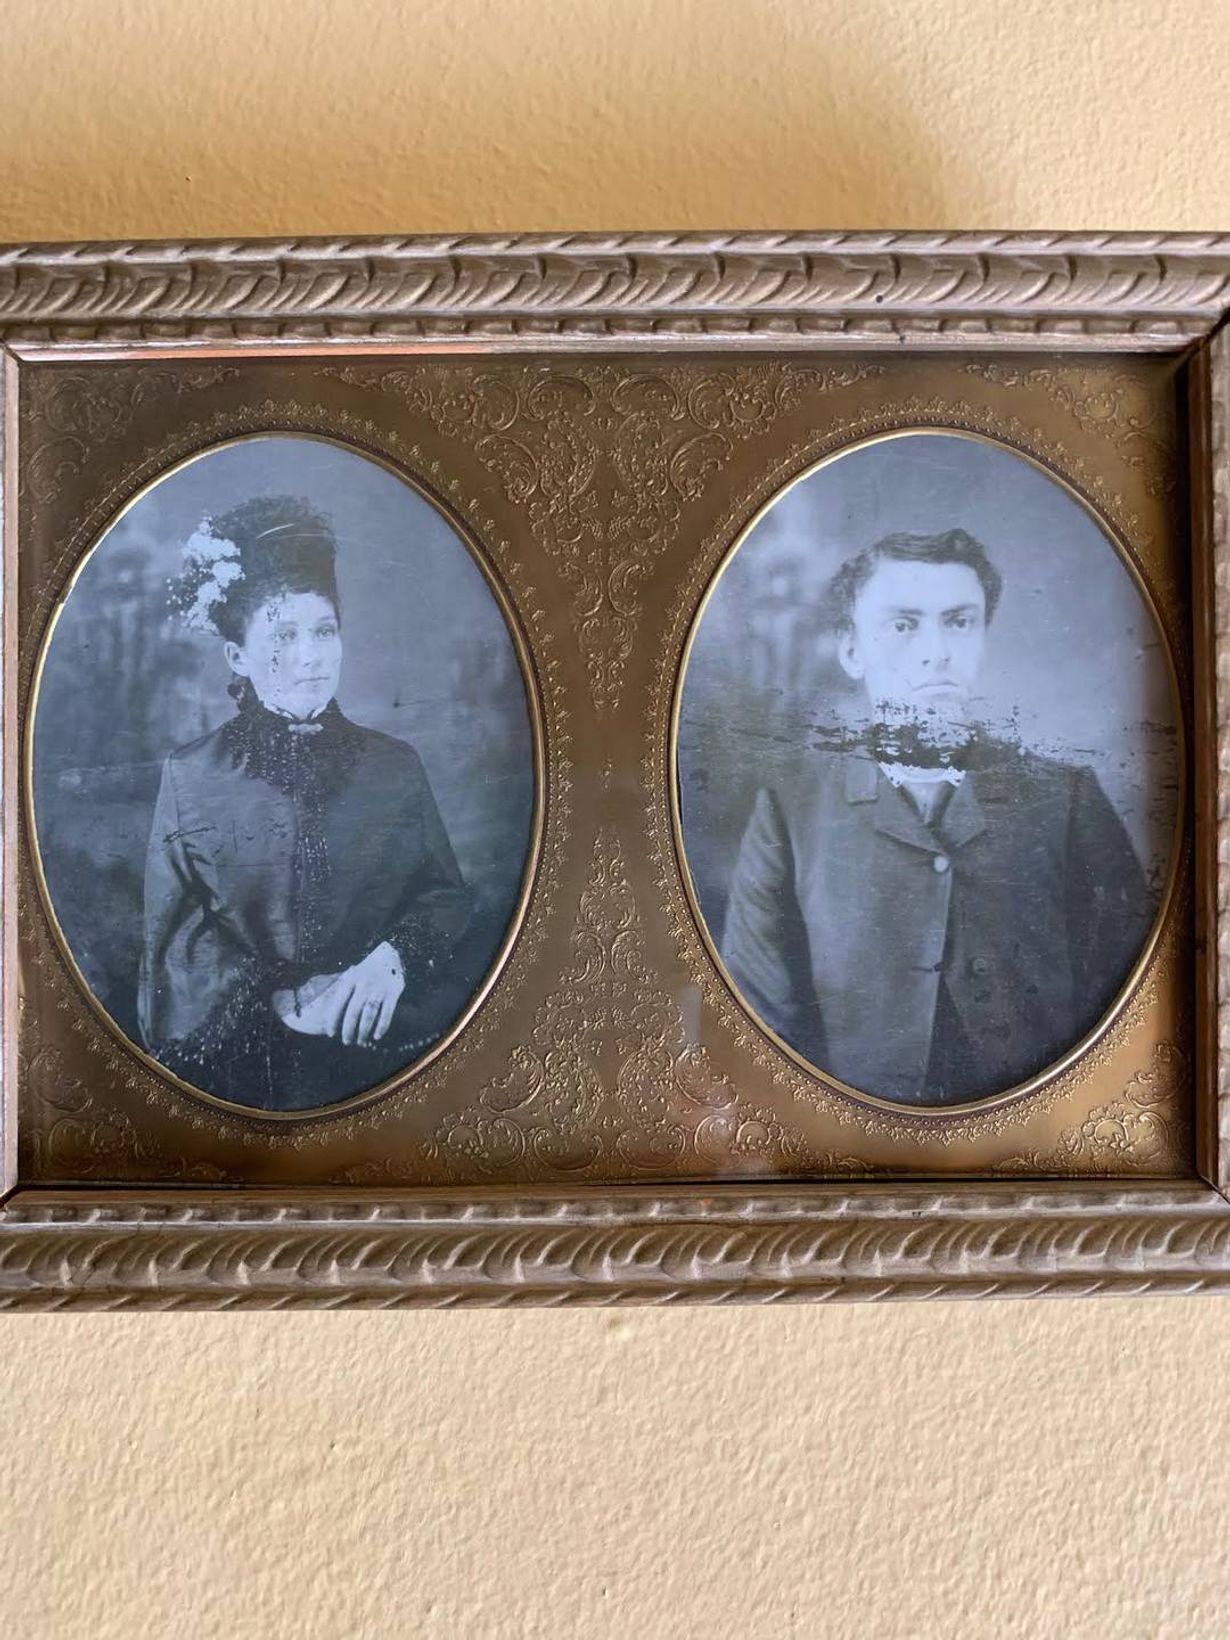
981	1469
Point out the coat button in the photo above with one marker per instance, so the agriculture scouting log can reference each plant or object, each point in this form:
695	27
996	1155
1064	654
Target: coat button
980	965
941	863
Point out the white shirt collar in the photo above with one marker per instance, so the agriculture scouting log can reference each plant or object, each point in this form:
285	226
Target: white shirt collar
907	774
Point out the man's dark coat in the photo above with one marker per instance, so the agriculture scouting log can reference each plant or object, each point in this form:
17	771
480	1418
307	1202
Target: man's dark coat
935	964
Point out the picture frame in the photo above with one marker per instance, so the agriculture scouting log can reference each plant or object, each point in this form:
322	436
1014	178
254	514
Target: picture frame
492	377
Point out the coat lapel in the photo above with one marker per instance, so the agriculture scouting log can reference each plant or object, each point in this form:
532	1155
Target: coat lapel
893	814
963	817
890	810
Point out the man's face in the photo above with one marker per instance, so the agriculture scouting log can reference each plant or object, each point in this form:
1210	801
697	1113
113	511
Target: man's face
916	638
292	653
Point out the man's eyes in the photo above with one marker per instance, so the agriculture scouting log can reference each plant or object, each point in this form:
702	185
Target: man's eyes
903	623
961	621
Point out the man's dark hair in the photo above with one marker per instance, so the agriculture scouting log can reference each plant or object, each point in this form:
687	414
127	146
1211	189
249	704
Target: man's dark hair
950	547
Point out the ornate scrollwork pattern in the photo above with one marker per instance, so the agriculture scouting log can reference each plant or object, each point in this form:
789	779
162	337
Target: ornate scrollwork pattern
603	491
73	417
607	1071
1111	404
1137	1130
603	460
85	1133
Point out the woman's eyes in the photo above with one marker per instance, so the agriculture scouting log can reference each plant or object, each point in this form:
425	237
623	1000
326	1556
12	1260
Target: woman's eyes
288	634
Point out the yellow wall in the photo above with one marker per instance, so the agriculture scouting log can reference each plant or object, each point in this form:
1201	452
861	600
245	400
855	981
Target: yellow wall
974	1470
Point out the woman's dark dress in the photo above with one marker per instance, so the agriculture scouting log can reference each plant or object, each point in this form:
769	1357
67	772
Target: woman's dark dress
281	851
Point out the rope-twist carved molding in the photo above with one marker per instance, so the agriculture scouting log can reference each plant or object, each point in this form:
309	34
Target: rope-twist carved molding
867	284
617	1252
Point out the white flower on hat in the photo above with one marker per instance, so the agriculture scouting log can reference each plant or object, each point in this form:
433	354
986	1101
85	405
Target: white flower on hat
211	566
204	547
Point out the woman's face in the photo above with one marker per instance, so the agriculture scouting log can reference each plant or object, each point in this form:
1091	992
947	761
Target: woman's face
291	653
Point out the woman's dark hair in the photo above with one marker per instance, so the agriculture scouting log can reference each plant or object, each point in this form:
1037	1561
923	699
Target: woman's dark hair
284	545
950	547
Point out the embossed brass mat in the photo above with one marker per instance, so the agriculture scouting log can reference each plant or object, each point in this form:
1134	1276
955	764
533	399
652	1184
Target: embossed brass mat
604	491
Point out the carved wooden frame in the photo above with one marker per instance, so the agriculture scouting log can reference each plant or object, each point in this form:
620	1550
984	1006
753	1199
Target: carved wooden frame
730	1243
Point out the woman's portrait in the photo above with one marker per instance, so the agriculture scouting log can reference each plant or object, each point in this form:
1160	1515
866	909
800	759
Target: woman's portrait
928	770
283	774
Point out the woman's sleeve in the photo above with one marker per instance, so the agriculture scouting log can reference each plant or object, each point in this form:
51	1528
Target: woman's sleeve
169	901
436	905
202	1006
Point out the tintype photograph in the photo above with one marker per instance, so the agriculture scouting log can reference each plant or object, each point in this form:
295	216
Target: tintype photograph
929	770
283	774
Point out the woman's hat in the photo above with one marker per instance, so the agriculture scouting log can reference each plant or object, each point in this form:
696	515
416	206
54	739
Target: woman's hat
261	549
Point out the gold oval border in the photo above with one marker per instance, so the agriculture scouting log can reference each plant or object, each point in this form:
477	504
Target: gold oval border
1021	1091
529	875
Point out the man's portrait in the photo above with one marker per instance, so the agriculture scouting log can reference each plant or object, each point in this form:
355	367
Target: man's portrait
283	774
928	770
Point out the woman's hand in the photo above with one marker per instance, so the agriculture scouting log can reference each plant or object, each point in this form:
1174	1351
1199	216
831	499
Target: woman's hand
301	1007
356	1005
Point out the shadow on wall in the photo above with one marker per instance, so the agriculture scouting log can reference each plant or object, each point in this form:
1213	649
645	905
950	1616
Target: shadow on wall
468	122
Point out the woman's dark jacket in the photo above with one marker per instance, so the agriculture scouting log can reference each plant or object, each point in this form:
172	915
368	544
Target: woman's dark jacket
279	852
